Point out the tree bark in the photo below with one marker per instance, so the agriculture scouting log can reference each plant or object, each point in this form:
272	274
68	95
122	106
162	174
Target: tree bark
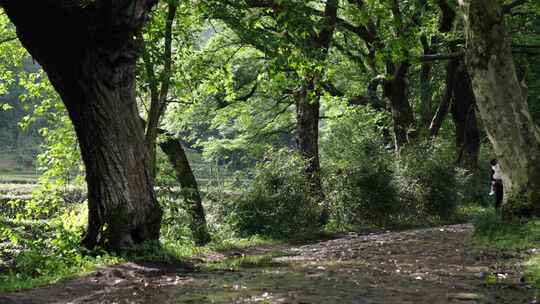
89	54
308	108
190	189
464	116
446	99
395	90
502	104
307	135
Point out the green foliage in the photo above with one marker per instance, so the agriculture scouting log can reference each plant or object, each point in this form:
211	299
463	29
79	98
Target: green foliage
490	225
491	230
359	174
517	205
532	272
55	254
278	202
368	185
364	195
427	182
175	221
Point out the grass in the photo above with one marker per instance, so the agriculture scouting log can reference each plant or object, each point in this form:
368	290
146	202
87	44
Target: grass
11	282
491	231
18	178
249	261
80	264
16	189
56	258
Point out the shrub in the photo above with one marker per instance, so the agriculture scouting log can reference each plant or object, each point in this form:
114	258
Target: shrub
358	180
279	202
51	254
489	224
518	205
427	182
490	228
363	195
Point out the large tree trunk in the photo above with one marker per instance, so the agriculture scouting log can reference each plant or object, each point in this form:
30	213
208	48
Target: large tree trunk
501	102
464	116
89	54
190	189
120	185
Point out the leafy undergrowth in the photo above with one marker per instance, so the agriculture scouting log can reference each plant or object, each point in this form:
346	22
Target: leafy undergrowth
30	259
492	231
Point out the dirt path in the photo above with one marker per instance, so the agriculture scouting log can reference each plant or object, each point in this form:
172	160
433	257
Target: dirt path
436	265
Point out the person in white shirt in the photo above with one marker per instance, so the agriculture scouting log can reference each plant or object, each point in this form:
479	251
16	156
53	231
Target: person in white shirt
496	183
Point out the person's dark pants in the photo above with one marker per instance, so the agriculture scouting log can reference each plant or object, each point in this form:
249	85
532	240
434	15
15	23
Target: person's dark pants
498	187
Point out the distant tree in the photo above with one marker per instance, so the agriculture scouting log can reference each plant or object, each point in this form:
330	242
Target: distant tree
298	41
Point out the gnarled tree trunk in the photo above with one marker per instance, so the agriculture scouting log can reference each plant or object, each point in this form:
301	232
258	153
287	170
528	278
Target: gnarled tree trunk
501	102
89	54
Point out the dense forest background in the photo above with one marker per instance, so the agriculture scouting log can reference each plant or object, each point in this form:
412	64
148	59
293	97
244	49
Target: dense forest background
263	120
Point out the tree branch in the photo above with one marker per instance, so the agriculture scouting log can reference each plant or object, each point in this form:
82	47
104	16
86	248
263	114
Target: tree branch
9	39
508	7
250	94
357	99
440	56
442	110
260	3
526	46
448	16
167	66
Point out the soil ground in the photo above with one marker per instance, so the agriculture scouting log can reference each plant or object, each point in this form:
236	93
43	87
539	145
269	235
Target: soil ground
433	265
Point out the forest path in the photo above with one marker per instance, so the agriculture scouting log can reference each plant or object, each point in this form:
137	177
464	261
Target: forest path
432	265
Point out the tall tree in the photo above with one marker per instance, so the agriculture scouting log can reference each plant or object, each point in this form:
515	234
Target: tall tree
307	99
159	84
387	37
298	38
501	101
89	53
